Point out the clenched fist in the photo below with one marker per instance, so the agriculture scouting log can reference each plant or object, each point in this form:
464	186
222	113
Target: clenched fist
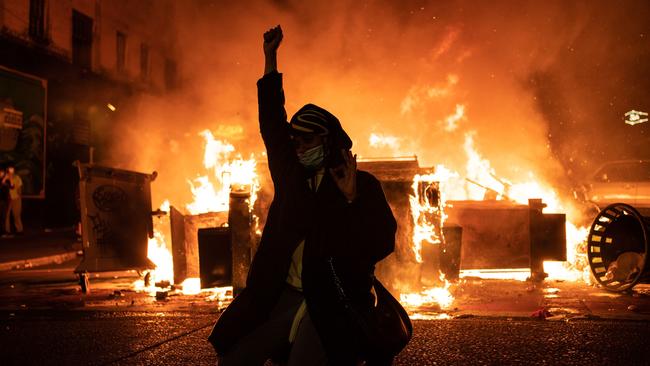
272	39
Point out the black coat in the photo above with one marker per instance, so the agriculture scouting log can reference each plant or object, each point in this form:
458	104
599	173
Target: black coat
356	235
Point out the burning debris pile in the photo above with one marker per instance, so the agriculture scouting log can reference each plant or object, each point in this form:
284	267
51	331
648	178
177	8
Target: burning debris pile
226	174
496	215
422	201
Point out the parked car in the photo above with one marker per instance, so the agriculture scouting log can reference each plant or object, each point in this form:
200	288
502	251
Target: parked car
626	181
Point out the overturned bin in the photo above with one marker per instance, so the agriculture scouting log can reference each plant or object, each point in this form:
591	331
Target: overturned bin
617	247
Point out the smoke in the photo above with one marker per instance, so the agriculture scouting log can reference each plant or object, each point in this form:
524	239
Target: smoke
541	86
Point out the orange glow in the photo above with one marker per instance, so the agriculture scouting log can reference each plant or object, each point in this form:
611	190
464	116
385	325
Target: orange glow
434	296
191	286
211	193
227	170
428	217
518	274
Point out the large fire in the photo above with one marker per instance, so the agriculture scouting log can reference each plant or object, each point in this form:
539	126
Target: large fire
481	182
430	194
226	170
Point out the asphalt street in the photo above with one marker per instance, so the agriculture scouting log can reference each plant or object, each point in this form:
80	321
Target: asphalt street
46	320
179	338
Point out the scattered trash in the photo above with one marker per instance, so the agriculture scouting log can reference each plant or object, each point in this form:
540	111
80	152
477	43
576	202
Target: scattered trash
116	293
541	314
633	308
625	268
463	316
161	295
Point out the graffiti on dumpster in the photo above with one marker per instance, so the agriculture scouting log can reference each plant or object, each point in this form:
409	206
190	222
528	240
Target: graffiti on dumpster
109	198
101	229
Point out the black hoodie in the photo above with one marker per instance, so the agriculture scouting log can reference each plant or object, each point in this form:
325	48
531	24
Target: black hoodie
355	235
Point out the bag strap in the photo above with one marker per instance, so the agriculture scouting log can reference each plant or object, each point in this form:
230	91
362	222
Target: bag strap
337	281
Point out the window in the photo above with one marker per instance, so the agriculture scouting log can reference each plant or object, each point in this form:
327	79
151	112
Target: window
80	126
37	19
82	39
144	61
120	51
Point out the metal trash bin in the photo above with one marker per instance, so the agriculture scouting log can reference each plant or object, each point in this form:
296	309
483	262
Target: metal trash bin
116	219
617	247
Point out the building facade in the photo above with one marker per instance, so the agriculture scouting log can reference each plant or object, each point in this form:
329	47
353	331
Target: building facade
94	57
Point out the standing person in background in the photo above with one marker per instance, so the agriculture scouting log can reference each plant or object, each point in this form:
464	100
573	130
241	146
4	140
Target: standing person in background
14	206
4	195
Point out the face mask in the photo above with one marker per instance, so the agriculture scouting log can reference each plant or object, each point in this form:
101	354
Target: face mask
313	158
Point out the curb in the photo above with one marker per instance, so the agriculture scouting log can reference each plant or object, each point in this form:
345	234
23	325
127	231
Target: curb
40	261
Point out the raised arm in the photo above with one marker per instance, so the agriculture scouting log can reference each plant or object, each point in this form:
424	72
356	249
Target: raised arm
283	162
272	40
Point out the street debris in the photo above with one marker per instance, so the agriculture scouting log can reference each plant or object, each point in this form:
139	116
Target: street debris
541	313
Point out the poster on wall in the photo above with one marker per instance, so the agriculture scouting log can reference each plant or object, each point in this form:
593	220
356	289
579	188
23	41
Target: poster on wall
23	114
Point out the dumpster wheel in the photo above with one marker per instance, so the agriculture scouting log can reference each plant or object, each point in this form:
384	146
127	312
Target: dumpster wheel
84	282
618	229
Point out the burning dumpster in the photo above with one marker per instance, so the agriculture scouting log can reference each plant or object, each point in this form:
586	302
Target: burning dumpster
214	246
116	219
617	247
471	234
507	235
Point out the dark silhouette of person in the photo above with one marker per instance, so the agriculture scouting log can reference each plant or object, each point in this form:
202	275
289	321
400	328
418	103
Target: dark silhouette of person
325	214
4	196
15	198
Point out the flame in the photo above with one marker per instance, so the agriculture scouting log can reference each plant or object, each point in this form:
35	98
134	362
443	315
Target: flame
159	252
425	214
485	184
530	186
440	296
211	193
229	172
427	211
427	205
478	170
161	256
191	286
